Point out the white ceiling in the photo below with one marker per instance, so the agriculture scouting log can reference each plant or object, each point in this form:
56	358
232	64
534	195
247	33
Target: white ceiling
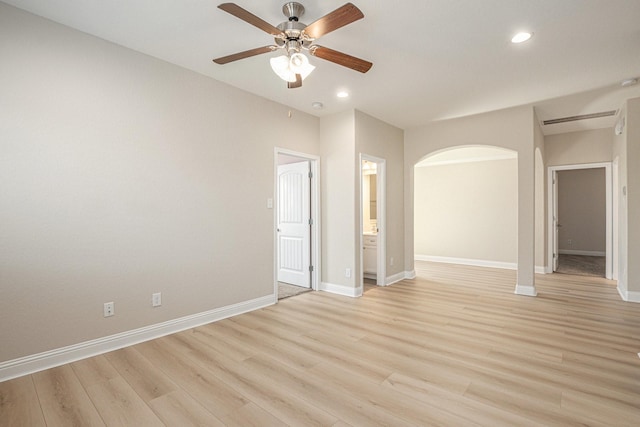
433	59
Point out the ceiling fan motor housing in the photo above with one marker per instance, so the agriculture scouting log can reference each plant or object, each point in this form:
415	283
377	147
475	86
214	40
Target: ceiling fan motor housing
292	27
293	10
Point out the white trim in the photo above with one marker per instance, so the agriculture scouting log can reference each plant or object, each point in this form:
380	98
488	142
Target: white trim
526	290
468	261
541	269
410	274
506	156
609	220
61	356
487	153
578	252
343	290
316	215
629	296
395	278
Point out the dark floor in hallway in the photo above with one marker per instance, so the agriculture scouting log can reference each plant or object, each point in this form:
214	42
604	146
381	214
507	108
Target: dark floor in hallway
581	265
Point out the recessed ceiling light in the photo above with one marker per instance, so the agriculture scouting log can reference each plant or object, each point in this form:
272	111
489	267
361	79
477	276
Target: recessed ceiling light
342	94
629	82
521	37
317	105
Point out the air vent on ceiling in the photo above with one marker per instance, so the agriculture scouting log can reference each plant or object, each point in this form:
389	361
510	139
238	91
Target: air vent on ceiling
581	117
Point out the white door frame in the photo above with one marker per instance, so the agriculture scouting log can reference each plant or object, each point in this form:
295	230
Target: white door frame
381	220
316	258
293	210
554	223
609	218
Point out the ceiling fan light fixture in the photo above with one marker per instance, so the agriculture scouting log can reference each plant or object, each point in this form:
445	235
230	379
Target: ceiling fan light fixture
280	66
287	67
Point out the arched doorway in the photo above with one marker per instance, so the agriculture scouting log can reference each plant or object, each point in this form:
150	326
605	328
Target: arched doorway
465	202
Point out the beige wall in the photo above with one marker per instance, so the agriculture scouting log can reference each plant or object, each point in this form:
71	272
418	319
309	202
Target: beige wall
337	136
379	139
467	210
342	137
540	199
511	128
582	211
632	199
123	175
589	146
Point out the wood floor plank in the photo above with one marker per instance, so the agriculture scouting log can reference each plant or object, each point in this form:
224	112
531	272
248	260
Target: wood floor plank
63	400
94	370
19	405
470	409
148	381
212	393
604	409
251	415
257	387
120	405
346	383
178	408
349	407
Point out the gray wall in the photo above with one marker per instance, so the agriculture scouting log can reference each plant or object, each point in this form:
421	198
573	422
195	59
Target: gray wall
582	211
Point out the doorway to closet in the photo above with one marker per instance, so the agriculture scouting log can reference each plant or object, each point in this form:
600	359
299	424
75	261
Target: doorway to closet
296	223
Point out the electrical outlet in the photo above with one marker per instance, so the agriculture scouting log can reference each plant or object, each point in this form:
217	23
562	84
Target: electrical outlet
156	299
391	261
569	242
109	309
347	272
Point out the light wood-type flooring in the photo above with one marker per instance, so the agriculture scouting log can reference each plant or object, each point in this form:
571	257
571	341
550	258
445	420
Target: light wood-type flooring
454	347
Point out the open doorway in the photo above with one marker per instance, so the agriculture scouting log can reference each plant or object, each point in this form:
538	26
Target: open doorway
372	222
297	244
466	207
581	240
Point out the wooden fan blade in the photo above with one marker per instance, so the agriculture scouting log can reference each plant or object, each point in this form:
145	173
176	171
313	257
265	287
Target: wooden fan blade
245	54
340	58
250	18
297	83
337	19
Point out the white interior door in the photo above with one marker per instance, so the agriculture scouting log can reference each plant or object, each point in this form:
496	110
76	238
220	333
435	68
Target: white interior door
294	227
555	224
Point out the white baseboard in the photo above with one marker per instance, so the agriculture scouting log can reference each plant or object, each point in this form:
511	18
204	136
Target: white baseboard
528	290
629	296
410	274
541	269
60	356
347	291
468	261
578	252
390	280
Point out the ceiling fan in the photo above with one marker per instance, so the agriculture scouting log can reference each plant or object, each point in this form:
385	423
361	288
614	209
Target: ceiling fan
294	37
